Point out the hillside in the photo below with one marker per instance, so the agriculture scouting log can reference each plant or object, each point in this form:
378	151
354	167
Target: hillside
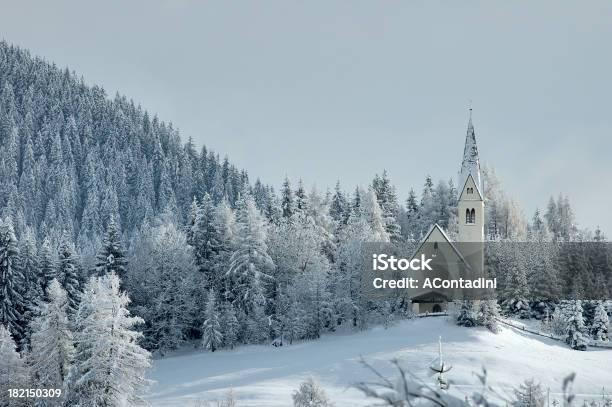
71	158
266	376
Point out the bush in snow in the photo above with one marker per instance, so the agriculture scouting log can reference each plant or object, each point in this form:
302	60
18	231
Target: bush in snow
310	395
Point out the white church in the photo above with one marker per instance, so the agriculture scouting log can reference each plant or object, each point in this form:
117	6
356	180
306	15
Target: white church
457	256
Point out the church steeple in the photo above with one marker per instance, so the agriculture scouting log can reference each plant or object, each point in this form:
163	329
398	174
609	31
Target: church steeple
470	163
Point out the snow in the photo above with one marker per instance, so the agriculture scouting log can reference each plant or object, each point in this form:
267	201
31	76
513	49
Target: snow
267	376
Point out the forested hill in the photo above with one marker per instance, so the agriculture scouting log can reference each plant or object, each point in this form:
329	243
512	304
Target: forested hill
71	158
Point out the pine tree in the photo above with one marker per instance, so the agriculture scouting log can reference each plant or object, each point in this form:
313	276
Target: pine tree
111	257
31	291
310	395
11	278
52	342
109	367
301	200
466	315
250	268
488	312
529	394
48	269
575	330
13	371
229	326
212	337
339	210
68	273
601	323
287	199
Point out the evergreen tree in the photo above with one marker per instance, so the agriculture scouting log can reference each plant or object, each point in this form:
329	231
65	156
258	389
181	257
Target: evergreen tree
109	367
48	268
212	337
466	315
488	312
529	394
575	328
250	268
339	210
68	273
229	326
11	301
287	199
601	323
52	342
111	257
13	371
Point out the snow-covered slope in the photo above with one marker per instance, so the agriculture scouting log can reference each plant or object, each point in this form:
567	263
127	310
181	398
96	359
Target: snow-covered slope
266	376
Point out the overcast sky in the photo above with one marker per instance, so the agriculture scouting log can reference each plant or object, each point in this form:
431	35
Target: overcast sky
328	90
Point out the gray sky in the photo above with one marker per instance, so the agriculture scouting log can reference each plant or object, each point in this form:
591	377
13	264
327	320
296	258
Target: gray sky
328	90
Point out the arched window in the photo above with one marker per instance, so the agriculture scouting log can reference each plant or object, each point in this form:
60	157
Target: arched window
473	215
468	217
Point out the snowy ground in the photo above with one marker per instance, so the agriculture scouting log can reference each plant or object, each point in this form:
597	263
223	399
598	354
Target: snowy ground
266	376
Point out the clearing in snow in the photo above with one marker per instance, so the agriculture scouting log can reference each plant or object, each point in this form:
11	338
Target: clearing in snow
267	376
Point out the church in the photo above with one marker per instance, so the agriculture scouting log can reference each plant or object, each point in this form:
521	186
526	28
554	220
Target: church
466	254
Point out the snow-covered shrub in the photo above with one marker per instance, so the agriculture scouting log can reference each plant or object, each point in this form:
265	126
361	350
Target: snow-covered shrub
310	395
529	394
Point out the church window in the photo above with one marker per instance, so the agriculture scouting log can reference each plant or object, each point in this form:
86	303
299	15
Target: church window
470	216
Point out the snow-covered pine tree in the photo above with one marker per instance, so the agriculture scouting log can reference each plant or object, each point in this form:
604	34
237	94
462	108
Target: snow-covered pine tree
109	366
203	238
466	315
164	282
310	394
11	279
250	267
339	208
48	266
529	394
301	199
212	336
575	330
516	288
68	272
111	256
601	323
13	371
229	326
31	291
488	312
387	199
52	340
287	199
372	213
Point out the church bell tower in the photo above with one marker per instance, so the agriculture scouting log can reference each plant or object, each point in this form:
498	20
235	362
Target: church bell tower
471	201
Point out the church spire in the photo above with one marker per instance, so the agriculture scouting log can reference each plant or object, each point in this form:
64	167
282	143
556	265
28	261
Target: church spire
470	163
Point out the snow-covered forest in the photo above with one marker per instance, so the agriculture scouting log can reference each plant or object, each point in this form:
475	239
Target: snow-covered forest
119	240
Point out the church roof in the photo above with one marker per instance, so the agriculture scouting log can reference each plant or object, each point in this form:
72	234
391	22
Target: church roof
470	164
447	238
